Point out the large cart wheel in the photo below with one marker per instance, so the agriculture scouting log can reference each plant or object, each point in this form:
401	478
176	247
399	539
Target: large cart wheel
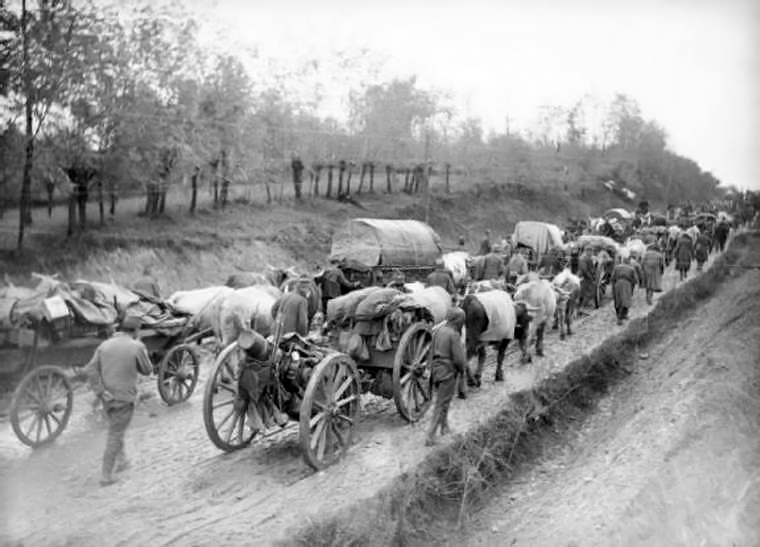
178	374
329	410
41	406
224	421
411	372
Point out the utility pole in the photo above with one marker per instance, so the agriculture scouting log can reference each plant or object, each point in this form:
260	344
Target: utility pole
26	181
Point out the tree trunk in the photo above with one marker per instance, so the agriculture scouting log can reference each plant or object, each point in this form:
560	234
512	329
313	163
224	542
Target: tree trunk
448	170
407	186
162	198
317	174
26	180
388	178
82	196
329	180
225	191
348	180
268	189
72	214
194	191
341	170
361	178
113	198
50	187
371	178
101	203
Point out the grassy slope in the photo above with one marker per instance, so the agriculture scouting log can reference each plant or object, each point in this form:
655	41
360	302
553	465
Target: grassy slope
187	252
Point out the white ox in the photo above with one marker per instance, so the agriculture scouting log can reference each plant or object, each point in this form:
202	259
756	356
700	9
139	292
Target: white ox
568	288
244	309
456	263
539	295
202	304
636	247
414	287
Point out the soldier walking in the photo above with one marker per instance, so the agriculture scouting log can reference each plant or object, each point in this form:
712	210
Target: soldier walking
449	361
112	373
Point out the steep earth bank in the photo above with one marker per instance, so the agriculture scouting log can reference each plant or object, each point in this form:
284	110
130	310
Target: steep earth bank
671	457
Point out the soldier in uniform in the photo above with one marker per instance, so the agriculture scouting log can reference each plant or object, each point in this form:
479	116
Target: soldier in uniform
449	361
255	384
441	277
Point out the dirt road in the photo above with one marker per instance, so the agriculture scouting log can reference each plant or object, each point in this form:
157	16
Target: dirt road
673	456
183	491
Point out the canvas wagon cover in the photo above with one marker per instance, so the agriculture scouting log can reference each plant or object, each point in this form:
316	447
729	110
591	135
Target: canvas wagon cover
542	237
396	243
618	213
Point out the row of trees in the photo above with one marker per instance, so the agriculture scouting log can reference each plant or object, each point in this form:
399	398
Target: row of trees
109	104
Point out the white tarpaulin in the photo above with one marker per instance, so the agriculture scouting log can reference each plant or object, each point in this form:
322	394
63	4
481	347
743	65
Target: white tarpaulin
542	237
434	299
394	243
501	315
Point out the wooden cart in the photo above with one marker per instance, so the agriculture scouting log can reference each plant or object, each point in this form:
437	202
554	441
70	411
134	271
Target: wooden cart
43	399
321	387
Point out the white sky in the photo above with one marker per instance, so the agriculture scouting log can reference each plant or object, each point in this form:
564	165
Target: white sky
693	65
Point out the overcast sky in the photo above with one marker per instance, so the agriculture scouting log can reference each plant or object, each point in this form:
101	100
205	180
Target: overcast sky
694	65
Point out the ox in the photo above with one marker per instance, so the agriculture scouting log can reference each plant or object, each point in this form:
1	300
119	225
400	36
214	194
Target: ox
539	295
568	289
457	263
270	276
202	304
475	287
492	318
243	309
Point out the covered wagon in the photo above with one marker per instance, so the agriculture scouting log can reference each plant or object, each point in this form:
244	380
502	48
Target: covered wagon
370	250
540	237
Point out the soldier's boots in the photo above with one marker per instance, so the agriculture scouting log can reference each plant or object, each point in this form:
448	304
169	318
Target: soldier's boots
254	419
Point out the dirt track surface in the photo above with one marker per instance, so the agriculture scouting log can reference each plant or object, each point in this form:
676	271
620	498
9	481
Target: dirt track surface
182	491
671	457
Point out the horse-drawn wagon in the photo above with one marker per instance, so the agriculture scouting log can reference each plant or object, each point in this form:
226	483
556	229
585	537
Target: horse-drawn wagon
605	250
55	325
541	238
369	250
375	340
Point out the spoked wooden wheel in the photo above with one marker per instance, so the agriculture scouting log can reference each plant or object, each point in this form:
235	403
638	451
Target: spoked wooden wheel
411	372
224	421
329	410
41	406
178	374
